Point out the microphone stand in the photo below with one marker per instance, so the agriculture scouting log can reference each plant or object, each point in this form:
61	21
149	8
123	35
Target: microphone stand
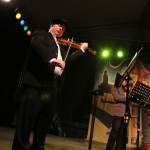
96	93
127	114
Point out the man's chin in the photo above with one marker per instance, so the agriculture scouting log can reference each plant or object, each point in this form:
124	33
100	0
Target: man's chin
58	35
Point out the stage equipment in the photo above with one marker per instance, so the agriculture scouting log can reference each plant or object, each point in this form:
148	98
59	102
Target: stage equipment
140	95
96	93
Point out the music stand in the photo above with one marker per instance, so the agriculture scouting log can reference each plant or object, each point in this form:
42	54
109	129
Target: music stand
140	95
126	77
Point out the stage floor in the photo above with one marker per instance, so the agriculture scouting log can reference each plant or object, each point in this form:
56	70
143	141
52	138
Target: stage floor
52	142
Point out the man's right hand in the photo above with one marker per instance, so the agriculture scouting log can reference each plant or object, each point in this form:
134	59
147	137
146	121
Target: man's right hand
59	63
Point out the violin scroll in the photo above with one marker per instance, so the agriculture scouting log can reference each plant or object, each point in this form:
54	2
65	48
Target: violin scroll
92	51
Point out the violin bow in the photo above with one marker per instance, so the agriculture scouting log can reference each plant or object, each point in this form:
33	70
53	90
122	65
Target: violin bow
68	49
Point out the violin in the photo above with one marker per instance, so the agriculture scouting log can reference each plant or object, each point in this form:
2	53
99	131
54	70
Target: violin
68	42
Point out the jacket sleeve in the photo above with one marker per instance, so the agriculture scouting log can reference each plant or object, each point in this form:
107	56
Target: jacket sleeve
44	45
118	94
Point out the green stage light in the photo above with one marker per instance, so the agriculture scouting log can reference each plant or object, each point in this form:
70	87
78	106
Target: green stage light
120	54
105	53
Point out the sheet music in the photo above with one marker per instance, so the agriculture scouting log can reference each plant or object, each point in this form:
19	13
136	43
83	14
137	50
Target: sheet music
141	94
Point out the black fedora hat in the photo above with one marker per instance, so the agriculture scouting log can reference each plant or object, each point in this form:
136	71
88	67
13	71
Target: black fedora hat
60	21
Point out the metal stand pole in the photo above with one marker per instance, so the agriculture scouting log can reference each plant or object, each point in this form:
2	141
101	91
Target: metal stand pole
138	128
126	117
92	123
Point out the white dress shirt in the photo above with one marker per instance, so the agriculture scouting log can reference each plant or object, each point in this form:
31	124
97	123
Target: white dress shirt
57	70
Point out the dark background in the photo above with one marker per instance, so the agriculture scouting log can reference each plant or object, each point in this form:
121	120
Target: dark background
14	46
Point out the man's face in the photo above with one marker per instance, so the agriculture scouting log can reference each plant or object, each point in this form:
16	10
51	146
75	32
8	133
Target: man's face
58	29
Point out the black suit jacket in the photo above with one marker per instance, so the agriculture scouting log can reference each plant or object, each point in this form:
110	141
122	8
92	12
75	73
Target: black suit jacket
40	72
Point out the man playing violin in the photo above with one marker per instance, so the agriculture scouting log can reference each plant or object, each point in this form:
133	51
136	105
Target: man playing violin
38	107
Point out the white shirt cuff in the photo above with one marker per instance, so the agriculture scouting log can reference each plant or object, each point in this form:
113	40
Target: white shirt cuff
52	60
